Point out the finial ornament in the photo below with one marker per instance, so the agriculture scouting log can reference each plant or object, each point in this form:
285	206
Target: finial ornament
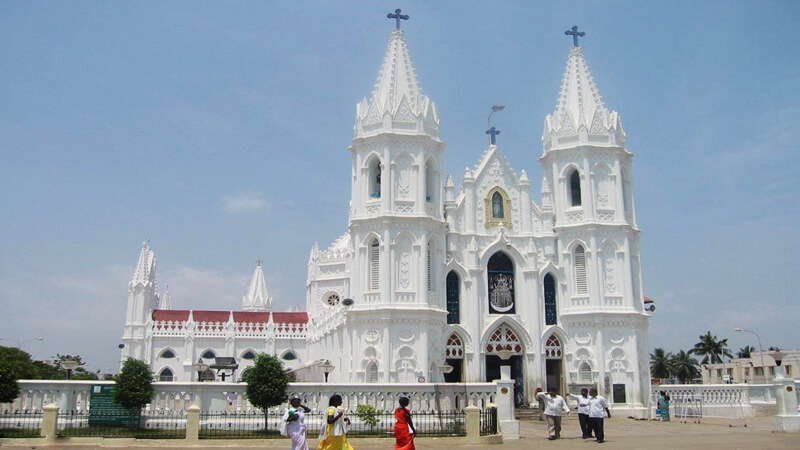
259	262
493	132
575	34
397	18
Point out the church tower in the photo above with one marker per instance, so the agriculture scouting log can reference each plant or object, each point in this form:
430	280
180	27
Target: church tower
587	171
142	300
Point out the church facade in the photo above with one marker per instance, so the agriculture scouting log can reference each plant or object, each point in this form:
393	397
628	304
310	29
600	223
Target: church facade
434	282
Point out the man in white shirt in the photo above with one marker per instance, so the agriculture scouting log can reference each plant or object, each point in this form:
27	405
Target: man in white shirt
555	405
598	408
583	412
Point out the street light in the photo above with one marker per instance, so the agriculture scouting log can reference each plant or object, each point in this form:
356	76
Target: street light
495	108
69	365
21	343
760	349
200	367
327	368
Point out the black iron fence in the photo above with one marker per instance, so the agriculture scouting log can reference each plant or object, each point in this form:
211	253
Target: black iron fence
488	421
20	423
144	425
257	425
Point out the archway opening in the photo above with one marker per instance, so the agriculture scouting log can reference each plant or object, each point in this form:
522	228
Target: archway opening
554	362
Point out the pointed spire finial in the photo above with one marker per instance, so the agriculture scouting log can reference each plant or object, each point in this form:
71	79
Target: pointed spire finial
397	18
575	34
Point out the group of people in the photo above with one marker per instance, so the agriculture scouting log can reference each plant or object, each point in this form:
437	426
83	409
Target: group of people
334	434
592	409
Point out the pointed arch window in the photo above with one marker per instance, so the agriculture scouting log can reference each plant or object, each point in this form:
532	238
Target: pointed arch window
580	270
430	182
209	354
167	354
550	312
372	372
585	373
453	297
289	356
500	274
249	355
166	375
575	188
374	177
552	348
429	263
498	208
374	266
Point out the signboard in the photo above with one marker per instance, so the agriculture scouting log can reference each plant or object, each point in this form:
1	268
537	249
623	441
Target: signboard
103	410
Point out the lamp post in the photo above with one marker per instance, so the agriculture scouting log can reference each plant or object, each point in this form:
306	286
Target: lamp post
200	367
327	368
760	349
22	342
69	365
495	108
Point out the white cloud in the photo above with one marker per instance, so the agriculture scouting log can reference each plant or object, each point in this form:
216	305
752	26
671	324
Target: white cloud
244	203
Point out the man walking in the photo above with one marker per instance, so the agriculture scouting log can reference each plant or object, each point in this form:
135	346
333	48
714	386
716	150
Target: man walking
583	412
555	405
598	408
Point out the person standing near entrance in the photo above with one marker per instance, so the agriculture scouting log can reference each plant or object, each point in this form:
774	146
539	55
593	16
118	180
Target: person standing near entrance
598	408
555	406
583	412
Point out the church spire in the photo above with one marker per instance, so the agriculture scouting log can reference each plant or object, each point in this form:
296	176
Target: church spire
145	272
257	298
580	116
397	103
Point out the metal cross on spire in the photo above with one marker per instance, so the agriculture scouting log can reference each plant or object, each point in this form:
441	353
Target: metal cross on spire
575	34
397	18
493	132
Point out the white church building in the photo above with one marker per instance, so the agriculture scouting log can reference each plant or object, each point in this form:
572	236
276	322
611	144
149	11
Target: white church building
434	282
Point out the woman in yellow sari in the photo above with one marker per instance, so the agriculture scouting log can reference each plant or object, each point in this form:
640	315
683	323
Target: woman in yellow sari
334	433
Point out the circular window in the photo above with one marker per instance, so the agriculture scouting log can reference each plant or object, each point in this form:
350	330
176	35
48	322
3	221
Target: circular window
332	299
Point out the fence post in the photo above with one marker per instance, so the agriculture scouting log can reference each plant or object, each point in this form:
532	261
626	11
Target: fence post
49	428
192	423
473	423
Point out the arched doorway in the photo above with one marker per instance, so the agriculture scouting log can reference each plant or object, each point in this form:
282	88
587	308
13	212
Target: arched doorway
553	355
454	356
504	348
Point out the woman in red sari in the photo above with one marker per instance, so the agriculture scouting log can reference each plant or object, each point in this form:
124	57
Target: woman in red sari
404	428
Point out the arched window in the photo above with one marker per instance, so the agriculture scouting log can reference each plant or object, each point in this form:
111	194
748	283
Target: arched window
209	354
550	312
430	182
372	372
429	262
374	266
248	355
166	375
575	188
167	354
289	356
580	270
497	206
501	284
552	348
375	178
585	373
453	297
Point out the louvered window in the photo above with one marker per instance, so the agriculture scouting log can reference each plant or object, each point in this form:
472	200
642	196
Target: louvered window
585	373
430	266
580	270
374	266
372	372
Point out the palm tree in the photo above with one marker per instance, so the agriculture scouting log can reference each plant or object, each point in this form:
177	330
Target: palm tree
660	363
745	351
684	366
711	349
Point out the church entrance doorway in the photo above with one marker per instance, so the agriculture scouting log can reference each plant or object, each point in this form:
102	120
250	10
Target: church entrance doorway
454	357
505	349
554	363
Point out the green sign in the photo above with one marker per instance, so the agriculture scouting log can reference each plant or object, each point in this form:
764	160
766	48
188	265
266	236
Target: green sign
103	410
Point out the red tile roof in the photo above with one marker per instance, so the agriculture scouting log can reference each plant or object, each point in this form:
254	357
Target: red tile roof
211	316
250	317
169	314
290	317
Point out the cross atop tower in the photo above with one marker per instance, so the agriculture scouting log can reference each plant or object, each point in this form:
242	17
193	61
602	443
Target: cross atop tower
397	18
575	34
493	132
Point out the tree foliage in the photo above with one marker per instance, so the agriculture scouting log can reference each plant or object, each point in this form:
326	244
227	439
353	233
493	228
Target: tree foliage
684	366
9	390
134	385
661	363
711	348
266	382
745	351
24	368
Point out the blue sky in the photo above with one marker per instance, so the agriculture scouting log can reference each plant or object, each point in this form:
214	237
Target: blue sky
219	131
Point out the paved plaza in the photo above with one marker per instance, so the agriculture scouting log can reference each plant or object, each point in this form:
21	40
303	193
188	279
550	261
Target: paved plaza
621	433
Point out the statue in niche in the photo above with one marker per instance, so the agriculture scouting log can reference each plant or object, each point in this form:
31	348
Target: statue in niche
497	206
